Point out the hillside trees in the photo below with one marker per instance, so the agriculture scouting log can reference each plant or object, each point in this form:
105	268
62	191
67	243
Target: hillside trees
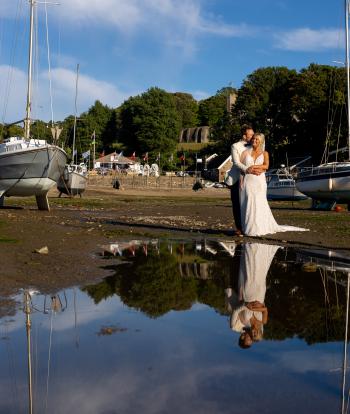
187	108
150	123
264	101
318	105
299	112
98	118
213	109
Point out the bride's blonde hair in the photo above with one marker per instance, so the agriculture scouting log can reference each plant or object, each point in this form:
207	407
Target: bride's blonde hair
262	140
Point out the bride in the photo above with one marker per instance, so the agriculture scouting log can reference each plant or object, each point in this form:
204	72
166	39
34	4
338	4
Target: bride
257	218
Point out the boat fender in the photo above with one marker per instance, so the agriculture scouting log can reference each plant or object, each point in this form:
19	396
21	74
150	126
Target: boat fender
330	184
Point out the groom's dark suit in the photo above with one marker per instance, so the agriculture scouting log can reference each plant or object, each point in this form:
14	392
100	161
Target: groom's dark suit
233	179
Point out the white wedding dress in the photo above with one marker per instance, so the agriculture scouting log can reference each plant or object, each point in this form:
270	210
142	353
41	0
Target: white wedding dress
257	218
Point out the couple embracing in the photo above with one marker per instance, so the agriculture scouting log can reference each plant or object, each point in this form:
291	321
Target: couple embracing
247	183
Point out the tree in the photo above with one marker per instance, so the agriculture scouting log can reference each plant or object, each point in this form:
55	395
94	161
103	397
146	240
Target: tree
187	107
213	109
318	106
150	123
264	101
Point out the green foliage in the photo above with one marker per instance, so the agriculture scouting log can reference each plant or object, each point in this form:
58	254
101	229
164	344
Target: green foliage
99	118
301	113
187	107
150	123
318	105
10	131
213	109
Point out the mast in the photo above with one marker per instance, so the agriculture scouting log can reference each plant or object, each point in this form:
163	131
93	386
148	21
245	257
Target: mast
30	72
347	67
75	114
344	396
27	311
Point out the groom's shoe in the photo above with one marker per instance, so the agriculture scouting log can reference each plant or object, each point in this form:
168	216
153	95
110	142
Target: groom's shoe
238	233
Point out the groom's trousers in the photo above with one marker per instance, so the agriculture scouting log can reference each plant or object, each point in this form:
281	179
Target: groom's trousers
236	207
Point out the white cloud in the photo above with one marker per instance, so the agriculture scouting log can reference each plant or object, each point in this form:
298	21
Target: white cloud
12	107
301	361
305	40
175	26
125	15
12	93
135	15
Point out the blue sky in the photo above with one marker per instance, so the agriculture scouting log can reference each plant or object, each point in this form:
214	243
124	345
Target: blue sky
126	46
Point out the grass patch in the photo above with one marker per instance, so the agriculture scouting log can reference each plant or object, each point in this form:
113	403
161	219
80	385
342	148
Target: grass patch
191	146
4	239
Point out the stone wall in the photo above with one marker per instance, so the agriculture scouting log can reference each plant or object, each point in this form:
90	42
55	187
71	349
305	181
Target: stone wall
135	181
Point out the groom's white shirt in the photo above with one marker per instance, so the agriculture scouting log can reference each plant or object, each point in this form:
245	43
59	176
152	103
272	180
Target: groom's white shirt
237	167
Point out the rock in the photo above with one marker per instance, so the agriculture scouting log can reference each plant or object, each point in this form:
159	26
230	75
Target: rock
42	250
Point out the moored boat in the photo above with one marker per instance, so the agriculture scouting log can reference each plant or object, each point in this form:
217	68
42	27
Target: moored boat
74	179
281	186
330	181
30	167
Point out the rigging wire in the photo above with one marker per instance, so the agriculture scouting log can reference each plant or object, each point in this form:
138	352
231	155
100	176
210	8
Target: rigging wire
345	348
49	64
49	362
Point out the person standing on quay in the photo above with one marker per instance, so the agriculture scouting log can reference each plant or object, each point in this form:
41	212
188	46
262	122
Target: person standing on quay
233	176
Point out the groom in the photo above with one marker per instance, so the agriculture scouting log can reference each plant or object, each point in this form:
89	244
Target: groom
232	180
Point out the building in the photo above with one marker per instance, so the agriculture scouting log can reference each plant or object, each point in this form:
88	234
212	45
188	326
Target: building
216	167
116	161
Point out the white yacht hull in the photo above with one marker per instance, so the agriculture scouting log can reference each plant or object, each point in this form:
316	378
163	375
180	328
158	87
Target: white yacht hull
327	185
31	171
72	183
284	193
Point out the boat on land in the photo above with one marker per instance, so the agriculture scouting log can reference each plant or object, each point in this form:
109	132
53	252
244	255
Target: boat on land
281	186
28	166
74	179
330	181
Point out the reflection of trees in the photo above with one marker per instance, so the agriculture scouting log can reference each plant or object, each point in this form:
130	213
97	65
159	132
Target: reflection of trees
301	304
310	306
162	282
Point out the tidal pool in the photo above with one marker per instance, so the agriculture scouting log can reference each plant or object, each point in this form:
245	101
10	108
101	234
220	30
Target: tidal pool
200	326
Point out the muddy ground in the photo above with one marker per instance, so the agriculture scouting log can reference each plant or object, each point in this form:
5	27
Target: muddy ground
74	229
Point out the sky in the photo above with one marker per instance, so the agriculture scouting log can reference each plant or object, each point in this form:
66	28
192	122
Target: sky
124	47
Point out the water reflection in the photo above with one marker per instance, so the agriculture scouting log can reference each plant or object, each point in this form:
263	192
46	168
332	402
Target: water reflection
156	335
247	305
157	277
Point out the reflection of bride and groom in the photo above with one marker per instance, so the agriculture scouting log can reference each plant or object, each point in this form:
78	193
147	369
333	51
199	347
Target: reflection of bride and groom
247	304
247	182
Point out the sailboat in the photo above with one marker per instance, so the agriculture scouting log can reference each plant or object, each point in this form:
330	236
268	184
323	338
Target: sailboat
281	185
331	181
30	167
74	179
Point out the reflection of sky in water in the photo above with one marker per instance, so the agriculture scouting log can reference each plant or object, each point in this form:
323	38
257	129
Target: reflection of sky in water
182	361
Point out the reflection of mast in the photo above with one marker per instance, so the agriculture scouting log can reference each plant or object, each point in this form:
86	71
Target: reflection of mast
27	311
76	319
343	408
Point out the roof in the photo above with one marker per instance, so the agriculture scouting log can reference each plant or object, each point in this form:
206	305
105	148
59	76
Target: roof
116	159
218	162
